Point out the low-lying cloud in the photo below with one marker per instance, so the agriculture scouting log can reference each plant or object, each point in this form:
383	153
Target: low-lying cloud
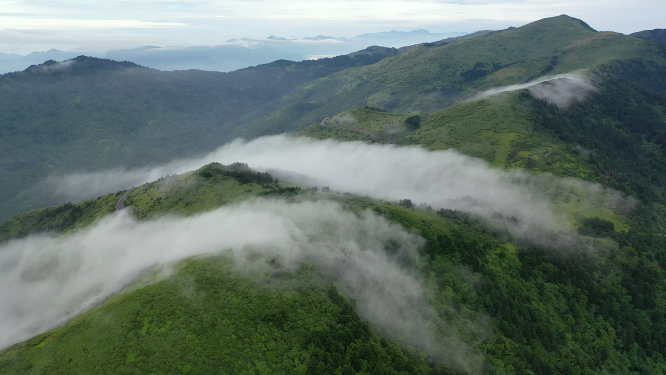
443	179
52	66
561	89
45	281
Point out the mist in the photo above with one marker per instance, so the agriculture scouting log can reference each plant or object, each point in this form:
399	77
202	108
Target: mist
442	179
561	90
233	54
46	281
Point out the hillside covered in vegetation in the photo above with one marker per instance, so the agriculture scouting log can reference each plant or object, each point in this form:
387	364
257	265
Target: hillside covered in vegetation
88	114
518	306
228	269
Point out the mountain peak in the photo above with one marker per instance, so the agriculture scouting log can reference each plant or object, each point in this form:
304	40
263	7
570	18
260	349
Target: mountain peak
553	30
561	21
78	65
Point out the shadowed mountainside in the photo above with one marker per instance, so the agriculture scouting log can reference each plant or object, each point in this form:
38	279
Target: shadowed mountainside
658	35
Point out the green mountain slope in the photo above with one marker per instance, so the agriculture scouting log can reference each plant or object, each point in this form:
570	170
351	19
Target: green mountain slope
89	114
614	137
208	319
499	129
427	78
520	305
571	312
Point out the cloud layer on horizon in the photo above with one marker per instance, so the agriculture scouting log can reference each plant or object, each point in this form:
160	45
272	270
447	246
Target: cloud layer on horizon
118	24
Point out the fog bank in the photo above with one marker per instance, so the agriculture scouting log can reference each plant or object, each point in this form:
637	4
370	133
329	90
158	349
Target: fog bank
45	281
560	90
443	179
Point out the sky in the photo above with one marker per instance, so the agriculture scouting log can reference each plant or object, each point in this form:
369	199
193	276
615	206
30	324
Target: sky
78	25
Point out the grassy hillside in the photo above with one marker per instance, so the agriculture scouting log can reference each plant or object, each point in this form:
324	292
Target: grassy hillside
548	310
622	129
429	77
499	129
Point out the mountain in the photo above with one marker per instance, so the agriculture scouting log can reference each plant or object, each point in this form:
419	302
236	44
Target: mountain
429	77
658	35
52	54
395	38
86	113
550	311
241	53
324	37
9	56
223	58
74	111
208	109
13	62
225	269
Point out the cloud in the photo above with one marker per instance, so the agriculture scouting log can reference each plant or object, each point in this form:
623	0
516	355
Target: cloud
69	24
114	23
45	281
9	14
563	91
445	179
560	89
53	67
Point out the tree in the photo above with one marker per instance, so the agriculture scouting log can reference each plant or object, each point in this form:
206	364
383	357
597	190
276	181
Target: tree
413	122
406	203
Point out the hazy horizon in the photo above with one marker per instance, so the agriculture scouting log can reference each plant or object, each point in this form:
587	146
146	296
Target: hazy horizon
68	25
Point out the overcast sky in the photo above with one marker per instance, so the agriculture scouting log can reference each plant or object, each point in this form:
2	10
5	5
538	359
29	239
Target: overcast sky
29	25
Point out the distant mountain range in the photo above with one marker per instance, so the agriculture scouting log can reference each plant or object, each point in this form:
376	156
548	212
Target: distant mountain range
234	53
244	52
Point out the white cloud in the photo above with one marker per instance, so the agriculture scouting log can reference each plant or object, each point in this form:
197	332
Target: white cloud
208	21
45	281
88	24
559	89
441	178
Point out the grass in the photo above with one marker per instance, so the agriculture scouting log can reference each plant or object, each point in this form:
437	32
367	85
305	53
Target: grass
187	194
497	129
427	78
350	125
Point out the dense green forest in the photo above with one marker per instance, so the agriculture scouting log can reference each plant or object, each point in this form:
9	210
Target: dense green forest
552	310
